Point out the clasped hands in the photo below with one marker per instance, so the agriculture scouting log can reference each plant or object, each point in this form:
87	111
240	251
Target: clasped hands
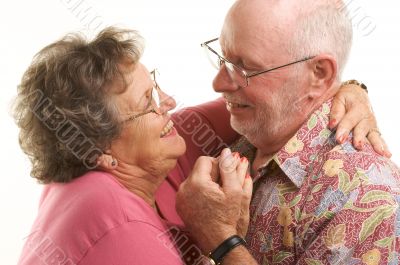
214	201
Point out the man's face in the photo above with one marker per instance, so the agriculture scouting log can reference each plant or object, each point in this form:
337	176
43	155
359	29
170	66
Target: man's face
263	109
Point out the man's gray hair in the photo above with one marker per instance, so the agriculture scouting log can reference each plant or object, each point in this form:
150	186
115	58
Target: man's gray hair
326	29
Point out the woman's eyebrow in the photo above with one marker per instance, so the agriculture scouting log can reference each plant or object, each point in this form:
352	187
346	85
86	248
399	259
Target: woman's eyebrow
143	97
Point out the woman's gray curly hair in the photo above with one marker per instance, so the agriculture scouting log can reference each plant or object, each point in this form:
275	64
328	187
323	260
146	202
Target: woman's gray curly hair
65	108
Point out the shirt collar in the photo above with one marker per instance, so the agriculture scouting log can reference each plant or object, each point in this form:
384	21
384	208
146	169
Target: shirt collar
301	150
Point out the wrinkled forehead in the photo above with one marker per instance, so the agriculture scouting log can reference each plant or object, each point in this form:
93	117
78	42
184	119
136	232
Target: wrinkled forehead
136	81
247	30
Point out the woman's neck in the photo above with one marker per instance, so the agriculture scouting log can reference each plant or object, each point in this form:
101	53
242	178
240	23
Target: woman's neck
138	181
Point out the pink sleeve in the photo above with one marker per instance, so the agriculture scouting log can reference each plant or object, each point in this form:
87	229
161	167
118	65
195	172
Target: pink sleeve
133	243
206	129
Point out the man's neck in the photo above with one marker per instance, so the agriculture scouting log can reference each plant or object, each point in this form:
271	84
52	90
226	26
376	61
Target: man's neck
260	160
269	147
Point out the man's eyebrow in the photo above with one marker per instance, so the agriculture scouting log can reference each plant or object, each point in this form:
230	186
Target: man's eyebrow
252	65
245	64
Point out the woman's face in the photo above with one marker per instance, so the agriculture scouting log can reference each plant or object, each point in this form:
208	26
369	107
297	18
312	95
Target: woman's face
149	141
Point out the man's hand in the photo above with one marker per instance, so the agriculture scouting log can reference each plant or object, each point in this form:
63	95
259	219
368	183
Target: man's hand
351	109
213	212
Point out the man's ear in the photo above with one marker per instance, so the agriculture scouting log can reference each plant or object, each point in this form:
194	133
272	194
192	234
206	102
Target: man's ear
106	161
323	74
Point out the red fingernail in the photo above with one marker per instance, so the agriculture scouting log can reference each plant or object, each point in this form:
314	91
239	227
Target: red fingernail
236	155
332	123
248	176
243	159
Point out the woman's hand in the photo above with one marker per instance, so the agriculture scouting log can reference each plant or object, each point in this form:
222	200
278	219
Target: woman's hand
247	186
352	111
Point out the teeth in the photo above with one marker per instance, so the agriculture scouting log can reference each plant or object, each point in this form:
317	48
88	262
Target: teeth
167	128
236	105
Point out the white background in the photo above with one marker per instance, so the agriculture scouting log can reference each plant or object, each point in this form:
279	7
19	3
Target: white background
173	30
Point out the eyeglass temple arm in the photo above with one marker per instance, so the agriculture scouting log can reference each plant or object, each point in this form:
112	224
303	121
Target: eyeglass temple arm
207	42
141	114
282	66
211	49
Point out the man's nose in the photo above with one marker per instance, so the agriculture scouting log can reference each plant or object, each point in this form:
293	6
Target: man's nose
223	81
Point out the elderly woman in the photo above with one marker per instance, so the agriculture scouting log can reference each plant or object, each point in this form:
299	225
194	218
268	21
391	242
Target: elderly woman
95	125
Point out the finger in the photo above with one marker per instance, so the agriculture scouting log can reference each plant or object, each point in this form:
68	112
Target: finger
245	206
351	119
215	171
227	165
242	169
358	107
360	133
202	169
379	144
248	189
338	110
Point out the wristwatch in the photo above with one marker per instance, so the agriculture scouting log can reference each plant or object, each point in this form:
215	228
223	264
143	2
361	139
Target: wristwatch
355	82
206	261
216	256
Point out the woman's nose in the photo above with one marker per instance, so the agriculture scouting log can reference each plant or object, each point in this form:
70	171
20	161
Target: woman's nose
167	103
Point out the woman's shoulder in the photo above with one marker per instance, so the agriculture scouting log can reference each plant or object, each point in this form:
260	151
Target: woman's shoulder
76	216
97	195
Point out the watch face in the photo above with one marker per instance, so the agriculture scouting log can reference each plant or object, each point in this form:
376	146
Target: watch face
205	261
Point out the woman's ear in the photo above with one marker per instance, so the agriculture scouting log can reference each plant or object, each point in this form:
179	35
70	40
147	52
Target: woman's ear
106	161
324	74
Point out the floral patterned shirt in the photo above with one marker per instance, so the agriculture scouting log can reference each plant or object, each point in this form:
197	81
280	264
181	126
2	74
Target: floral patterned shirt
318	202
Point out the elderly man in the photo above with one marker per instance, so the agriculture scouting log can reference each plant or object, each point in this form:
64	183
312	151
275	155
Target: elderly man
315	201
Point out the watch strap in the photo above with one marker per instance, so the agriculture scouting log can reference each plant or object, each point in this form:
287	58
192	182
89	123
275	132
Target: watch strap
357	83
224	248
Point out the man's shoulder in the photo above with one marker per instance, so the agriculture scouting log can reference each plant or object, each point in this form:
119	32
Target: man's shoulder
350	181
343	161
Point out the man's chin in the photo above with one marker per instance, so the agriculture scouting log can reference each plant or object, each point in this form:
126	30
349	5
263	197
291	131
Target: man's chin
240	127
253	133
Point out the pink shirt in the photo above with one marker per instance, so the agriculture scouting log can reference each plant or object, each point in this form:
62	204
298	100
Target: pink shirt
95	220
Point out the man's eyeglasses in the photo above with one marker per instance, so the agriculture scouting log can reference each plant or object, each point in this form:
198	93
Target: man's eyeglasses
238	75
154	103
